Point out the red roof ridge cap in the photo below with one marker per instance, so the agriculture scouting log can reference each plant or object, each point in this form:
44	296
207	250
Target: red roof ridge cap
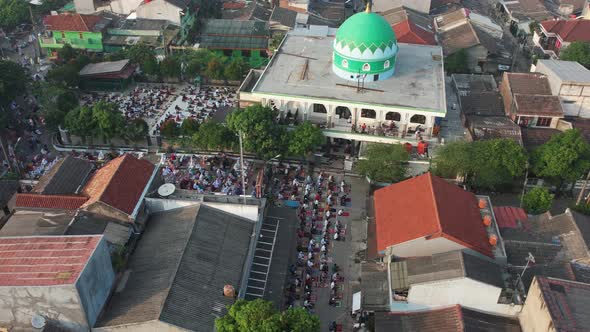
461	326
84	22
431	185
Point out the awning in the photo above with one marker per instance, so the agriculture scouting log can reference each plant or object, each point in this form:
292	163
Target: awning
356	302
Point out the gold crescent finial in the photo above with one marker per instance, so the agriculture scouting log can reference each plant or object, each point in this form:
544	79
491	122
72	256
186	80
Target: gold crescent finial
368	9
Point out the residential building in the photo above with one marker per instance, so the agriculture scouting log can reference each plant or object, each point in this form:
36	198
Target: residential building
182	13
123	7
247	39
116	189
556	305
554	35
108	75
521	13
533	137
79	31
66	279
176	276
449	319
157	34
381	6
315	76
528	100
66	177
283	18
571	82
410	26
59	202
426	215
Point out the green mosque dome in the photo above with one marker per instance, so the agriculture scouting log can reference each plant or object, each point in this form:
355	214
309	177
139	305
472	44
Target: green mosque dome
366	31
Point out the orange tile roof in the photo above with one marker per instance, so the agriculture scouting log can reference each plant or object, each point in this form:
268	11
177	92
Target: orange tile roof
39	201
569	31
428	206
119	183
71	22
408	32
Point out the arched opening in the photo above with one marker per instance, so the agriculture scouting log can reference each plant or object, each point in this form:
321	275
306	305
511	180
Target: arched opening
393	116
294	111
319	108
274	105
421	119
368	113
343	112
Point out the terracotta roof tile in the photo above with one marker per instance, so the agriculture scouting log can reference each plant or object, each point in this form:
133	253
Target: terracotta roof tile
408	32
428	206
569	31
510	216
44	260
538	105
119	183
71	22
61	202
445	319
528	83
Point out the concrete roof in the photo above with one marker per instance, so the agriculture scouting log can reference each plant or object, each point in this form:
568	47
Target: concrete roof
417	84
566	71
37	222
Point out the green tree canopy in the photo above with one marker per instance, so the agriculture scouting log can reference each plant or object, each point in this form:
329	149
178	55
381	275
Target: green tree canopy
564	158
66	73
537	200
144	56
136	130
13	81
305	138
456	63
80	121
261	134
67	53
170	67
384	163
13	13
169	128
235	69
55	100
189	126
577	51
213	136
214	69
489	164
109	121
261	316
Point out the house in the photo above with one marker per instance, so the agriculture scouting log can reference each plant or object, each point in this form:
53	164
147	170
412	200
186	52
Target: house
176	276
79	31
426	215
449	319
283	18
117	188
528	100
59	202
66	177
533	137
521	13
381	6
157	34
571	82
554	35
570	7
60	278
182	13
410	26
247	39
108	75
556	305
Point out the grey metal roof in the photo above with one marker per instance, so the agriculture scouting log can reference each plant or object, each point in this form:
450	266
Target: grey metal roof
374	287
179	268
261	12
65	178
37	222
103	67
283	16
234	34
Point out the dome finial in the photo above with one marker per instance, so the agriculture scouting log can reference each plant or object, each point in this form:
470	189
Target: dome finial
368	9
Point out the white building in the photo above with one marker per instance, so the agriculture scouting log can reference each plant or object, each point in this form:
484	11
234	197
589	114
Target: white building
169	10
571	82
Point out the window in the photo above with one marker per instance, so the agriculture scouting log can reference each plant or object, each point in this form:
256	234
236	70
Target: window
418	119
366	67
544	122
393	116
81	35
319	108
344	63
386	64
368	113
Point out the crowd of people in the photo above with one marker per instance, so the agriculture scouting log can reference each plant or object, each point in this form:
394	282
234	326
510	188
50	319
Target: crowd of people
322	202
207	174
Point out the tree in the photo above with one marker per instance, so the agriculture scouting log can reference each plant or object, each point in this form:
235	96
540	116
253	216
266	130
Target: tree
236	69
261	316
577	51
537	200
189	127
109	121
80	121
260	133
67	53
213	136
136	130
305	138
144	56
170	67
169	128
457	62
384	163
55	100
13	81
66	73
13	13
214	69
564	158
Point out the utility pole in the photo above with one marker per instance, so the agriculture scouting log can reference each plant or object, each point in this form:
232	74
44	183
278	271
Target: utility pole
243	171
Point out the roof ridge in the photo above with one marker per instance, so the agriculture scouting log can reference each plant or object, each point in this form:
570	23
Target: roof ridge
434	199
83	22
460	321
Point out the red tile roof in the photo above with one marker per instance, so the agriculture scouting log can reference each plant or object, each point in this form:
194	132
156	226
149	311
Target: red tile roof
567	303
408	32
44	260
428	206
49	201
510	216
71	22
569	31
444	319
119	183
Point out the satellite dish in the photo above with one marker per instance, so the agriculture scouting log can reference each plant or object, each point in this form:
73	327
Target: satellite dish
38	321
166	189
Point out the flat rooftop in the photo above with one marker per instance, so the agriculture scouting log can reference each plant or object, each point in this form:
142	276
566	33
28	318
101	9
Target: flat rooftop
418	82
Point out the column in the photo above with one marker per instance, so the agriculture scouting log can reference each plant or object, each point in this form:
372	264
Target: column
330	116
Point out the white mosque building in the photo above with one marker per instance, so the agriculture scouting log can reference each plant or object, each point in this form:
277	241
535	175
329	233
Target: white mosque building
356	82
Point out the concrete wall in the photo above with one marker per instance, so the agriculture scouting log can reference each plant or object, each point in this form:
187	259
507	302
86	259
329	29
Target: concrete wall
247	211
95	283
423	247
19	304
150	326
535	316
159	10
463	291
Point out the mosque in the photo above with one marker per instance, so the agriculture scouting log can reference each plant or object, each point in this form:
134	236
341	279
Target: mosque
357	82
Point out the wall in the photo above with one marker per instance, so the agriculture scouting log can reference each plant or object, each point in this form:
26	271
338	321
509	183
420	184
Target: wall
535	316
506	94
150	326
423	247
95	283
124	6
464	291
575	99
89	41
105	210
159	10
19	304
247	211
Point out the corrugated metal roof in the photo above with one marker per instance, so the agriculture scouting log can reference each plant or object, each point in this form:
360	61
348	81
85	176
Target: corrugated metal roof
64	178
106	67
